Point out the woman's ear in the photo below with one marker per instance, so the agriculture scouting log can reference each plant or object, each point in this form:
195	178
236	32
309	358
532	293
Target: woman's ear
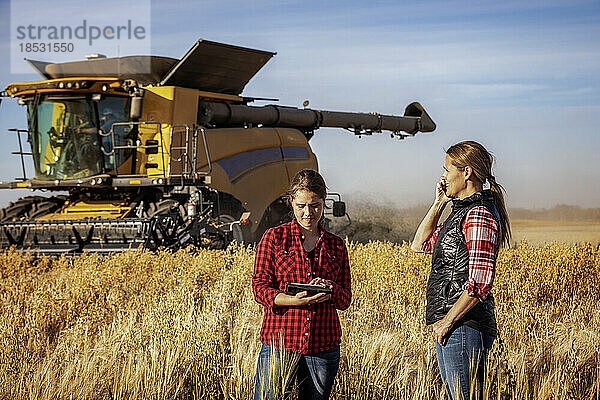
468	171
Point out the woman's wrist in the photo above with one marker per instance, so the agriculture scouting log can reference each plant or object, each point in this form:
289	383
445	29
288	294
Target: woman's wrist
280	300
440	203
285	300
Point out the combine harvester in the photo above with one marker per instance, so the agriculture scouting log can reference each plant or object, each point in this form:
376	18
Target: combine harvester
164	152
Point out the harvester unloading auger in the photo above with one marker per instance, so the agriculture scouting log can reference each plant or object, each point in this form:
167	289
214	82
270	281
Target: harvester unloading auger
155	151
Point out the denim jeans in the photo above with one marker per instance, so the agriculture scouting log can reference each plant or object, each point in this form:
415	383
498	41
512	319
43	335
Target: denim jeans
277	369
462	362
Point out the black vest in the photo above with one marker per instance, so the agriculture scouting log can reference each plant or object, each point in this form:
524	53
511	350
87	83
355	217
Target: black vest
450	268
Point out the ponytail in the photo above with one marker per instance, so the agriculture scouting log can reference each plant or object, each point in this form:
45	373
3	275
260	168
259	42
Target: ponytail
497	191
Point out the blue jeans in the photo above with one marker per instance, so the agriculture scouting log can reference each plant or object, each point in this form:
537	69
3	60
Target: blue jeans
277	369
462	362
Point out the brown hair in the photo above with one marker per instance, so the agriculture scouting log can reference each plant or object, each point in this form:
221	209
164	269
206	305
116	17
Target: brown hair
307	179
473	154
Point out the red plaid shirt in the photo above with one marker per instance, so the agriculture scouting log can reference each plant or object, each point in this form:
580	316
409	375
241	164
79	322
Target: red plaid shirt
481	233
280	258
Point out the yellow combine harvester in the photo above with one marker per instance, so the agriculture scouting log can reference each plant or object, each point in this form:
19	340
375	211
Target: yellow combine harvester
156	151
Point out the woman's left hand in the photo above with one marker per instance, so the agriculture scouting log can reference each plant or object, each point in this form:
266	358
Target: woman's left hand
322	282
464	303
440	329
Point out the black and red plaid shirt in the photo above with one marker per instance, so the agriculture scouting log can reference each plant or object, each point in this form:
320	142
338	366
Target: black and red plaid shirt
280	258
481	234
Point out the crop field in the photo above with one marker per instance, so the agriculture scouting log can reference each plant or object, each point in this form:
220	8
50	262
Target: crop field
185	325
539	232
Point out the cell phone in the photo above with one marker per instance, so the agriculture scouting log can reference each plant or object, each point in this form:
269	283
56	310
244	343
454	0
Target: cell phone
292	289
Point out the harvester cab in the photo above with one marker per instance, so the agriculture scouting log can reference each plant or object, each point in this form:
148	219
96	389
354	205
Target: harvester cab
160	152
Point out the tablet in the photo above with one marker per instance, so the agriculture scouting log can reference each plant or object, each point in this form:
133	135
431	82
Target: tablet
293	288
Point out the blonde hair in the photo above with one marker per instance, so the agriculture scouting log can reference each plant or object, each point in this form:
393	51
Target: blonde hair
473	154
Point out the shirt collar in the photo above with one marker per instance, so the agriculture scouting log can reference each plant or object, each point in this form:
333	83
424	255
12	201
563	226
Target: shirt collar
485	194
297	232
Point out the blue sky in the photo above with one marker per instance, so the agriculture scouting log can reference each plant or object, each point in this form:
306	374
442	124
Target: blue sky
520	77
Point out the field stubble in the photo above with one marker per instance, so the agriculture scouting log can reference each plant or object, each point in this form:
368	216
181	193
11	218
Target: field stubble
185	325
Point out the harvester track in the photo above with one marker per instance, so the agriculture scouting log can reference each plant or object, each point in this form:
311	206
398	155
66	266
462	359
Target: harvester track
31	207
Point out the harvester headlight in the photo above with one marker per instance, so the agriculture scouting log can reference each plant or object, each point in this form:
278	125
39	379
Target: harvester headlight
160	181
93	182
76	85
69	85
104	87
61	85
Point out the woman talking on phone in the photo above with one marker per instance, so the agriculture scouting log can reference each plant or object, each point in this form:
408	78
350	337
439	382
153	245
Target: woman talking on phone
307	324
460	305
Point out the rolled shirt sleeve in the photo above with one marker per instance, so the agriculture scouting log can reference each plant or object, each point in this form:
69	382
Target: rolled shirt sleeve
481	234
427	245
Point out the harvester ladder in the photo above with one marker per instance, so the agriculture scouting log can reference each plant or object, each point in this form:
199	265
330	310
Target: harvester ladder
189	151
208	170
188	165
21	153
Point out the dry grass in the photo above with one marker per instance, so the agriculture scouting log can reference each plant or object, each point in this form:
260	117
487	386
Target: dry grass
185	325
